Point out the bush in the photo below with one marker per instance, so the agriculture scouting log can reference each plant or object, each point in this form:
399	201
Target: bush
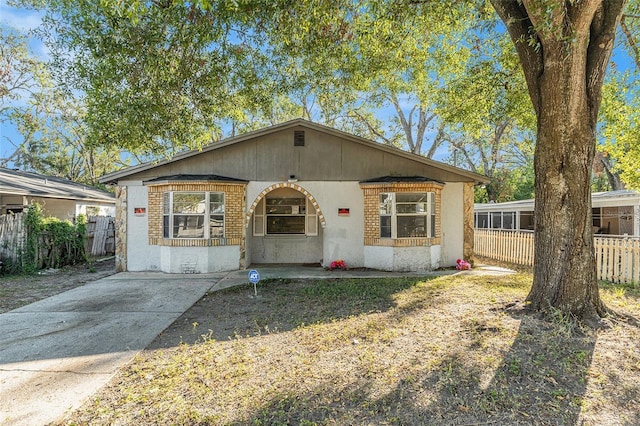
51	242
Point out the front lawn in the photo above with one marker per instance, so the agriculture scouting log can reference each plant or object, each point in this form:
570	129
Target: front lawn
447	350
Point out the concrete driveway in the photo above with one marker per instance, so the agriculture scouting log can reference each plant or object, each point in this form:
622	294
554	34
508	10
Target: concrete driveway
57	352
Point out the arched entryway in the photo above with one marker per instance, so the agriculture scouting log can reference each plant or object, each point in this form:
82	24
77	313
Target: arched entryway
285	225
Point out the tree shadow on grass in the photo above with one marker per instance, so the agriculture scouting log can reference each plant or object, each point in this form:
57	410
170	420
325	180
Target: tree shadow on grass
540	380
283	305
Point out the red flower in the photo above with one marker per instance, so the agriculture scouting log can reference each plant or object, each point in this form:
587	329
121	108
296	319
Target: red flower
338	264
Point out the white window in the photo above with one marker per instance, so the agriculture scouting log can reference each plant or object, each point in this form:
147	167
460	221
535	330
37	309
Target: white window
285	216
193	215
407	215
482	220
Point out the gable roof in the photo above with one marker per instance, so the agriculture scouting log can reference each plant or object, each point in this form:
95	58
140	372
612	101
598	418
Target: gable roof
299	122
17	182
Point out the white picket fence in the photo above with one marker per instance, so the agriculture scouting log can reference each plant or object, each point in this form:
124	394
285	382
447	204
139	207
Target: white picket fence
617	257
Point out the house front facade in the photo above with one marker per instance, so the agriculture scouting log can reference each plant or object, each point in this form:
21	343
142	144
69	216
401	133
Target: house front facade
297	192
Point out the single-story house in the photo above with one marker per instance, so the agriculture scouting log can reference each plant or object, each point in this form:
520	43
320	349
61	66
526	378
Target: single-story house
59	197
613	212
297	192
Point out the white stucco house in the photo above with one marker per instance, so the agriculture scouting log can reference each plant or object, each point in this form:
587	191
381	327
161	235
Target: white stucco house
297	192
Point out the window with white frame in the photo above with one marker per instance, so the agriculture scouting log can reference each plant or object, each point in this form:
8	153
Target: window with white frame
193	215
496	220
285	215
407	214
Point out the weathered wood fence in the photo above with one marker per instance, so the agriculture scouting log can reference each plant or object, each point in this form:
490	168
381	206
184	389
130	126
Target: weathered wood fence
617	257
12	235
99	241
100	238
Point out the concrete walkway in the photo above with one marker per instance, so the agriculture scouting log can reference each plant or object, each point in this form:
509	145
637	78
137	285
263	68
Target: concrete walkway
57	352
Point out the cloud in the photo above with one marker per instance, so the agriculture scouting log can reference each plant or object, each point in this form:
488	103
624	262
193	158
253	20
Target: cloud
25	21
22	20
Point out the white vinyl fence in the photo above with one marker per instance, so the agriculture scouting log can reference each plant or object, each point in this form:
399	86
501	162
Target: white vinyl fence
617	257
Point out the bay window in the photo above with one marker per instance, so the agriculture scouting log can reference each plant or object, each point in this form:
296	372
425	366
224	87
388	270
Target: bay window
195	215
407	215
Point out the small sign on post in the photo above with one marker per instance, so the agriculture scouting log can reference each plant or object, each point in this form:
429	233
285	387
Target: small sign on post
254	278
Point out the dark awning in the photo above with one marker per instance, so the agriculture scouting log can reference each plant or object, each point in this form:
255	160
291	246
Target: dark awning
193	178
400	179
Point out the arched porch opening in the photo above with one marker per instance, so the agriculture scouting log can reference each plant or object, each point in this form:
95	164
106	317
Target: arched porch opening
285	225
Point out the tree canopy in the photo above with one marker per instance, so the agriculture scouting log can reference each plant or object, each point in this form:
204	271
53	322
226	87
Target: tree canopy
157	77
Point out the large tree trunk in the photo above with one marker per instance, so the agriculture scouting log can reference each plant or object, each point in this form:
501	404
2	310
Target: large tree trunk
564	268
564	48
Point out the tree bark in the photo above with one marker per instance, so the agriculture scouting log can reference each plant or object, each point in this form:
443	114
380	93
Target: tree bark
564	268
564	48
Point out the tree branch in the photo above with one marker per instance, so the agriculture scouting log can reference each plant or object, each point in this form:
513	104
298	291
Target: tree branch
520	28
603	30
630	40
437	141
405	126
371	128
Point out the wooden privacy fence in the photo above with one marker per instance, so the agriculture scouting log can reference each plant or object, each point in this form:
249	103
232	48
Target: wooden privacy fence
99	240
617	257
12	235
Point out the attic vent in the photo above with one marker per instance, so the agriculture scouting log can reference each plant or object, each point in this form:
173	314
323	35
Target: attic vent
298	138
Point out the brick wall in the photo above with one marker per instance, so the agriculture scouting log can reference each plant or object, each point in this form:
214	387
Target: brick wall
234	199
372	193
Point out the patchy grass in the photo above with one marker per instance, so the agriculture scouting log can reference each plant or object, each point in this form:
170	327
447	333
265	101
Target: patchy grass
449	350
20	290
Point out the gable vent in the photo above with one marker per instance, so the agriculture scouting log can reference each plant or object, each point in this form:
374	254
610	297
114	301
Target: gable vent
298	138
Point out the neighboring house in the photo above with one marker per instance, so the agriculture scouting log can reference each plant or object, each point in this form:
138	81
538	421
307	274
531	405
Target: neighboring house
59	197
614	213
297	192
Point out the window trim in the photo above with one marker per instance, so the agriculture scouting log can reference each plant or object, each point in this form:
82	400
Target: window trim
167	212
391	204
260	218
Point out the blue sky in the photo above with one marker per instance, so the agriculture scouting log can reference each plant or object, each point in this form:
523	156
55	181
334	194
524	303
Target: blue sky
23	21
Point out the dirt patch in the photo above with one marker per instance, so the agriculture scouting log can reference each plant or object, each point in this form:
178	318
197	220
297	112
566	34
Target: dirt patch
20	290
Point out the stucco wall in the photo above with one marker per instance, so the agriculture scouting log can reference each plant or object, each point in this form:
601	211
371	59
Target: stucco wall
140	255
62	209
343	236
285	249
178	260
419	259
452	242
